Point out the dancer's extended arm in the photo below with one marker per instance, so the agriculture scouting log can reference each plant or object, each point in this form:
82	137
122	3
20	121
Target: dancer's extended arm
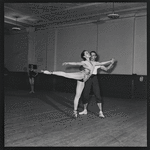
61	73
105	62
77	63
73	63
106	68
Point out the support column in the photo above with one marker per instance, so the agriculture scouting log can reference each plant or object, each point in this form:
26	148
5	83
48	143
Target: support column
31	45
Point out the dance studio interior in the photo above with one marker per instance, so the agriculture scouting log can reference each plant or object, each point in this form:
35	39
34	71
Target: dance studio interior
38	111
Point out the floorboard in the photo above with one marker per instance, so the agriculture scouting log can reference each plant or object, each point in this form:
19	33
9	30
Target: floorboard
46	119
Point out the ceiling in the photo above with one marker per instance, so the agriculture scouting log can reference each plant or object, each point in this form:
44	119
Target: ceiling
54	14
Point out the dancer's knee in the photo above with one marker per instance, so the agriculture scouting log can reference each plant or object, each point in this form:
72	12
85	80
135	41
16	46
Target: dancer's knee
85	100
99	100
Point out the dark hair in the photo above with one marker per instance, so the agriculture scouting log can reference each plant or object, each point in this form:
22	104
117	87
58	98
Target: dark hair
97	57
93	52
82	54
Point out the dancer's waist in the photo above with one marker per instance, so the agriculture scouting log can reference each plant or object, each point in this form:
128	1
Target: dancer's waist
87	72
93	75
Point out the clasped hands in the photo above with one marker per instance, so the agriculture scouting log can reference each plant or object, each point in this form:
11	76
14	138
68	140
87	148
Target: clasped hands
112	60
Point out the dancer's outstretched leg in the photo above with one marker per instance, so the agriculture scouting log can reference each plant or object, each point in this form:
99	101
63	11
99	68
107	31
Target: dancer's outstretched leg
73	75
79	89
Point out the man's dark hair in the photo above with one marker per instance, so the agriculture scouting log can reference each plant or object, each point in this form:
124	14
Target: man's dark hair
97	57
93	52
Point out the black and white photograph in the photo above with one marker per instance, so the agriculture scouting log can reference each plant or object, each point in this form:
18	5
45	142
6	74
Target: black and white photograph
75	74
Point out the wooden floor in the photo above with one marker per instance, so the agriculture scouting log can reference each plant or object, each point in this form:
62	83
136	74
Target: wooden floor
46	119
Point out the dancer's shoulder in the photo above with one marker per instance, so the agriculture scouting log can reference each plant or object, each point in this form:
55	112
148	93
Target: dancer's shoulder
84	62
94	62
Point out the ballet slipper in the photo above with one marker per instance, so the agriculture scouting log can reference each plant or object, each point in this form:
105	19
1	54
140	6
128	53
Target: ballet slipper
84	112
46	72
75	113
101	115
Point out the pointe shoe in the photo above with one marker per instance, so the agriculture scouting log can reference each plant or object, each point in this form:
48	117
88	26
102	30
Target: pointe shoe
75	113
101	114
84	112
46	72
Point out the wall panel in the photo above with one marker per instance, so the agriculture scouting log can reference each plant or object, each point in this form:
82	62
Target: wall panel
71	42
50	49
16	52
41	49
140	46
115	40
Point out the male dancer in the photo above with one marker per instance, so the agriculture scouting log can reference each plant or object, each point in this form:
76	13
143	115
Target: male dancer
93	81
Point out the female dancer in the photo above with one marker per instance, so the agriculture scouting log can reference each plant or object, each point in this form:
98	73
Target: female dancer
32	74
81	76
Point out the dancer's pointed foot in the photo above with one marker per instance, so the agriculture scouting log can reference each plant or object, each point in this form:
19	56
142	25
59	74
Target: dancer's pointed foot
75	113
46	72
101	115
84	112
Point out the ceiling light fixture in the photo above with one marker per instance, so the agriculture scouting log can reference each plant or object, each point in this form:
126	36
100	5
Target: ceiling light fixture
113	15
16	28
